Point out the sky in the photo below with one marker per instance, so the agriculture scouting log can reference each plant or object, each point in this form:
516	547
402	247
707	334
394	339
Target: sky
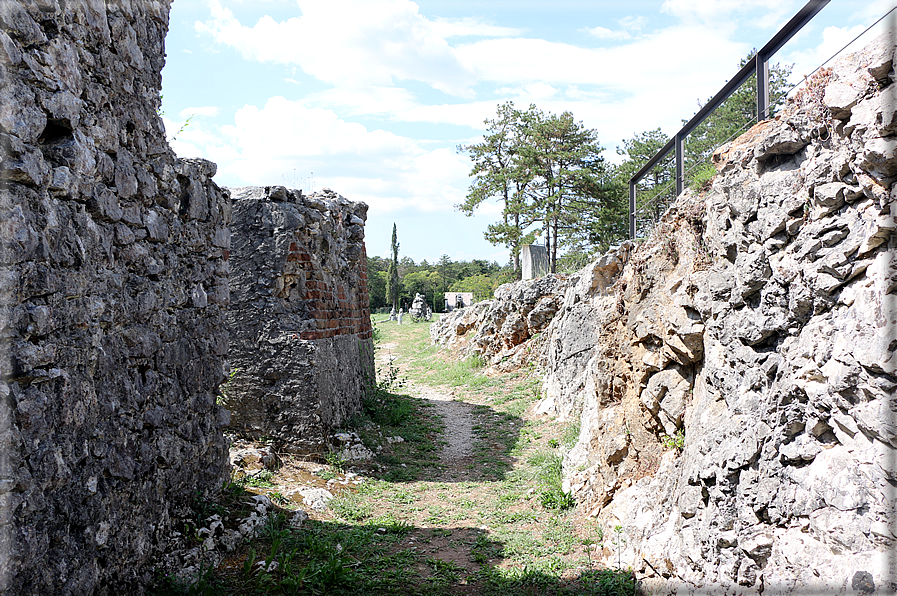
371	98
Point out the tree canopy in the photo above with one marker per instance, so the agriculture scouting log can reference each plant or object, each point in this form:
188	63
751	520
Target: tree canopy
433	281
548	173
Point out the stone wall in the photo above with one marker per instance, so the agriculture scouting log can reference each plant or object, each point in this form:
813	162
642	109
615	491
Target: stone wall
736	385
113	286
300	328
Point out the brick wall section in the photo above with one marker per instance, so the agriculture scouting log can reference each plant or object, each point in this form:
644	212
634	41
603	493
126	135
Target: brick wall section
300	331
329	303
113	288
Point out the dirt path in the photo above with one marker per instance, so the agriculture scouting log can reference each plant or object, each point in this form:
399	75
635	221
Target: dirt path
457	416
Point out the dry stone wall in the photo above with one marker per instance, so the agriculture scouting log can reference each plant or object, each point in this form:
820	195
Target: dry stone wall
113	287
300	342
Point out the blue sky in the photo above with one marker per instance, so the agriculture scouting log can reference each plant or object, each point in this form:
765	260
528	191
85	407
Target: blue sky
371	97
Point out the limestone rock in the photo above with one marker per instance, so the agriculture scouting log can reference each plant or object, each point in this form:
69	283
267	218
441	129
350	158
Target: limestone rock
519	311
767	334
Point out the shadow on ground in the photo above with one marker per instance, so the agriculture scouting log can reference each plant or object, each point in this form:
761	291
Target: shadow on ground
380	558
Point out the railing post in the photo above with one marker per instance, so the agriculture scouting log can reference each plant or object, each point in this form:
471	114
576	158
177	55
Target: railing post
680	162
762	70
632	209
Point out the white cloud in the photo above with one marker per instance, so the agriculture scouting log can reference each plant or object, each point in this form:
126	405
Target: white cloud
285	139
614	90
470	27
833	40
210	111
605	33
469	114
346	43
633	23
372	100
366	49
721	13
671	60
528	93
874	10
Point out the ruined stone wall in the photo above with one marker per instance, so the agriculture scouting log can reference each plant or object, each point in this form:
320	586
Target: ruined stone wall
300	328
113	286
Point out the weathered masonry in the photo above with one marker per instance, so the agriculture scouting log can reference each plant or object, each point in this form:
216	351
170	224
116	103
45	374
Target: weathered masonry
113	287
299	322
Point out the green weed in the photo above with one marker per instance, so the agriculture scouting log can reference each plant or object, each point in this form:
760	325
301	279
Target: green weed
262	479
548	471
676	441
351	507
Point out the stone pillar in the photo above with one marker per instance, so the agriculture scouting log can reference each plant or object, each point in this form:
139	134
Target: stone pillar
300	327
533	261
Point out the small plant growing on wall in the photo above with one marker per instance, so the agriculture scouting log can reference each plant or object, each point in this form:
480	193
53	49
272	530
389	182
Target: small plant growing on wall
224	389
676	441
618	542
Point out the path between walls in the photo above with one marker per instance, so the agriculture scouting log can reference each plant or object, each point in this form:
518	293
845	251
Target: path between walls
457	416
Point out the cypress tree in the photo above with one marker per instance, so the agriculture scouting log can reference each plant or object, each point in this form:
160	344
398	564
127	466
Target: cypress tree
392	274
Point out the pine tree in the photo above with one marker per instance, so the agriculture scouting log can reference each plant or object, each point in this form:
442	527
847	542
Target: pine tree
564	159
497	174
732	118
549	175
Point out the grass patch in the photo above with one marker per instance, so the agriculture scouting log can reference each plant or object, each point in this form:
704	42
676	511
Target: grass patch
548	471
352	507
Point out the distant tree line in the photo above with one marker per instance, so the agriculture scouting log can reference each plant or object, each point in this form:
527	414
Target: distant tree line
432	280
548	173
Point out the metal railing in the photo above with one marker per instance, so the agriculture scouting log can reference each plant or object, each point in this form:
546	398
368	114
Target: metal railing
759	65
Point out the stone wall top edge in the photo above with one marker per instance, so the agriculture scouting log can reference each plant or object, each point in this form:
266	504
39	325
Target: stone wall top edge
325	199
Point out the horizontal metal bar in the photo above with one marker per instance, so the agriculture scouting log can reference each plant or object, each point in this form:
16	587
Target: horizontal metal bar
782	37
757	64
803	16
722	95
653	161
